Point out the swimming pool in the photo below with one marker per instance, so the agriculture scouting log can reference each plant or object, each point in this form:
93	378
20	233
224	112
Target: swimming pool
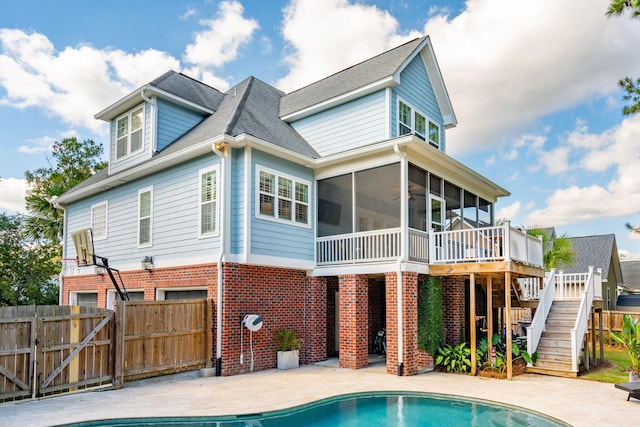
365	409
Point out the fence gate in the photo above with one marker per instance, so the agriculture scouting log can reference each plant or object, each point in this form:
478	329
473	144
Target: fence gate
51	349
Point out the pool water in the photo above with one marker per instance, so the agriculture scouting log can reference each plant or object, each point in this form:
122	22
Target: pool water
365	409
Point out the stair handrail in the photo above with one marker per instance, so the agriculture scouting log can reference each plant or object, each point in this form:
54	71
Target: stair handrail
582	319
534	331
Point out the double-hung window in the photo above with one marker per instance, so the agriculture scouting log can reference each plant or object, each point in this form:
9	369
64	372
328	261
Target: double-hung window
99	221
282	198
129	132
145	216
413	121
208	201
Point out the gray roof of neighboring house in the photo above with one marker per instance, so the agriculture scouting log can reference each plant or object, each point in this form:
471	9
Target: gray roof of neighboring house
594	251
630	274
370	71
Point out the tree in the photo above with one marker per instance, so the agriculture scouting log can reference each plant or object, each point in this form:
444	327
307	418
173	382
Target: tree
619	7
555	252
73	162
630	86
28	268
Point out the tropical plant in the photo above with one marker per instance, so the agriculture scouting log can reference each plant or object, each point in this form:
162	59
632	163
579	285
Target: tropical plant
73	162
287	340
618	7
629	338
555	252
454	358
518	351
430	315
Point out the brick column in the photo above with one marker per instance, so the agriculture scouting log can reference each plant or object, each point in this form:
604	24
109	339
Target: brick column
354	316
454	308
315	337
410	323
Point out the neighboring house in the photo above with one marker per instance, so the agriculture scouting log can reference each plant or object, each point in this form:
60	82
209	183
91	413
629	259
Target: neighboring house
629	300
320	210
598	251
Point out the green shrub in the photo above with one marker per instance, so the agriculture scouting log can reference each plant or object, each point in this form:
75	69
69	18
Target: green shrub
454	359
430	315
287	340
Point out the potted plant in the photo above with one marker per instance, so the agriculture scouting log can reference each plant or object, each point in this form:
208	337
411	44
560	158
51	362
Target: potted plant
288	346
629	337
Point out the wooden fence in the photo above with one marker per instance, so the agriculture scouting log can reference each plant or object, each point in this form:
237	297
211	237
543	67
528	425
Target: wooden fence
46	350
50	349
161	337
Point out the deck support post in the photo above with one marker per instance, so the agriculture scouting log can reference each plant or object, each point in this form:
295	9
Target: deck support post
473	321
507	315
489	314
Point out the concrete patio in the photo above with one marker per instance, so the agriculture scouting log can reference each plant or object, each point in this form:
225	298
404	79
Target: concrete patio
577	402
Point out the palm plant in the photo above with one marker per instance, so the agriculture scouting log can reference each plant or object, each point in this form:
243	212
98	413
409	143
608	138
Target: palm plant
629	337
555	252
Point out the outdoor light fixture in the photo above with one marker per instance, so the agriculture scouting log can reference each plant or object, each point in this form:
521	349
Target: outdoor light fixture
147	263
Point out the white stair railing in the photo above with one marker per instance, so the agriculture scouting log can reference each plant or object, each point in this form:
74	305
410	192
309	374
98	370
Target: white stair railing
534	331
582	320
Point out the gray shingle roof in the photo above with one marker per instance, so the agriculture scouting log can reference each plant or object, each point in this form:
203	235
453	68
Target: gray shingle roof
595	251
350	79
630	274
187	88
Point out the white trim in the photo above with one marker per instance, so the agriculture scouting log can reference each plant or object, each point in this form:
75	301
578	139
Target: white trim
111	111
388	100
150	243
112	296
428	121
248	154
73	295
160	292
294	180
273	261
106	220
341	99
216	231
128	114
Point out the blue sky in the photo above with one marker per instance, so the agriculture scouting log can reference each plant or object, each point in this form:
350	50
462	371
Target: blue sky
533	84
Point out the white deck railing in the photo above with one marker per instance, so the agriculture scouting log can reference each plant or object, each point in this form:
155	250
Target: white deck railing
593	283
534	330
583	287
443	247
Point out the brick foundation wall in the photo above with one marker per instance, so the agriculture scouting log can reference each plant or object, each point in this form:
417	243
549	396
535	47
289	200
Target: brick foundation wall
410	323
204	275
453	296
354	319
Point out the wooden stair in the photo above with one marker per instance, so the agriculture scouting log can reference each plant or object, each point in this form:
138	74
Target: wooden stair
554	349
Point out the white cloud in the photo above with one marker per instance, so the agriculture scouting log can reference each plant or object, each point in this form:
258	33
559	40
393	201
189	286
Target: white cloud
509	212
222	40
504	69
326	36
72	84
37	146
188	13
12	194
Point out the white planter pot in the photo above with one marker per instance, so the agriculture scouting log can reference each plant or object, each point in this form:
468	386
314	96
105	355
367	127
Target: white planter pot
288	359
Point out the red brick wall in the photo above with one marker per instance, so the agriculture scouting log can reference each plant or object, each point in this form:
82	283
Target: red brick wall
453	295
332	288
354	318
203	275
410	323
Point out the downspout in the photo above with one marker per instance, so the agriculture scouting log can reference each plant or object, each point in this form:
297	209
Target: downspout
401	259
64	250
221	154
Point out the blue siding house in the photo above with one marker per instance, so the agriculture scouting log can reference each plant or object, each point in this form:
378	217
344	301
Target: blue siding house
288	204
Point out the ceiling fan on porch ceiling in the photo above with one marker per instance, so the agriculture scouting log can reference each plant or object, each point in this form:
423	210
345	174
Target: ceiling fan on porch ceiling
415	190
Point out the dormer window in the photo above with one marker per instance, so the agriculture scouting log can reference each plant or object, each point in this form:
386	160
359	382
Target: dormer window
129	132
412	121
